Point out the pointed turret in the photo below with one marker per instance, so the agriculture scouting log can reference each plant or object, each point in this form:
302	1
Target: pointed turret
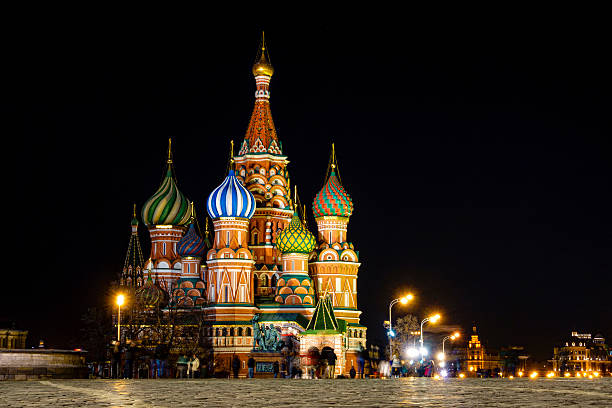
323	318
261	135
131	274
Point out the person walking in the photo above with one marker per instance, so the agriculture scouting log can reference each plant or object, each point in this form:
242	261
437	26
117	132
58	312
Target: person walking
235	365
193	367
275	369
251	366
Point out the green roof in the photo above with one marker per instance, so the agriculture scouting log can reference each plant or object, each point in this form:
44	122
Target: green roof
284	317
324	318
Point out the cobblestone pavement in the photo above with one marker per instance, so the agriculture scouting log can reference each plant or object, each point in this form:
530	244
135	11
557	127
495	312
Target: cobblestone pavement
419	392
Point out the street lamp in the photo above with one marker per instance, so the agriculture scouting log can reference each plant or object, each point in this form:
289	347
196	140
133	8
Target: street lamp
432	319
120	300
452	337
403	300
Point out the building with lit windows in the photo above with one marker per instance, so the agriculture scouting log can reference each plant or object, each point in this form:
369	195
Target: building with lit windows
259	259
582	353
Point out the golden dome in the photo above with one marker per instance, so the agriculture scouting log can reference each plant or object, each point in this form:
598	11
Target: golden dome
263	66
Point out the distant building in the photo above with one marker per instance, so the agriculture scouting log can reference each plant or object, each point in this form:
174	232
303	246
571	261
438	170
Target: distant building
12	338
477	360
582	353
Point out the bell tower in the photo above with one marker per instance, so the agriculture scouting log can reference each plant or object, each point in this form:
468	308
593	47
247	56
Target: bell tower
262	168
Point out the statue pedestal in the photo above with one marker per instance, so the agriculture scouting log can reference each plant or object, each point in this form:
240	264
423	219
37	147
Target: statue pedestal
264	363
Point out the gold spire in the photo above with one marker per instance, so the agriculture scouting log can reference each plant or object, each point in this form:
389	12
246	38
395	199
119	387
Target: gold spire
230	163
192	217
333	165
169	150
134	215
304	214
262	65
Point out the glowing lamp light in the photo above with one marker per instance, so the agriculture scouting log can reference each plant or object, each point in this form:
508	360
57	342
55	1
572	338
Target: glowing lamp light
566	374
412	352
534	374
521	373
457	335
436	377
577	374
120	300
423	351
434	318
550	375
511	377
440	356
444	373
442	364
461	375
596	374
406	299
391	333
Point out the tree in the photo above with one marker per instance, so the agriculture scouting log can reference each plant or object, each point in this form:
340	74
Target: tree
406	329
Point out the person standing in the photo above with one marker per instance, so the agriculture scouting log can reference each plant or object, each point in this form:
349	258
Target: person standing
235	365
352	373
128	362
275	369
251	366
181	366
331	364
194	366
115	359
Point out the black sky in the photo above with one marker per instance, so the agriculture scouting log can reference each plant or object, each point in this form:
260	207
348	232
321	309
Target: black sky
477	156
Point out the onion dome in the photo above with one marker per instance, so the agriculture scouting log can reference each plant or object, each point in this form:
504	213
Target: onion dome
150	295
332	200
168	206
191	244
231	199
263	65
295	238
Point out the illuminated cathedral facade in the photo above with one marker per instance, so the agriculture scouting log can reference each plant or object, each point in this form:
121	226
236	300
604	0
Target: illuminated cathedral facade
259	259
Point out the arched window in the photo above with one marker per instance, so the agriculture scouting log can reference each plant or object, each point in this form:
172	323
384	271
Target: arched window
231	332
274	280
248	331
240	331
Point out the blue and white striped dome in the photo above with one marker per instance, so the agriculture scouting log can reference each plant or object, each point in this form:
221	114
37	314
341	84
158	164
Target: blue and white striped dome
230	199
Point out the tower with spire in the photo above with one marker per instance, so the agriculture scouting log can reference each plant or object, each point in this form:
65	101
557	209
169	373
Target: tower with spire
133	266
335	264
166	213
229	261
262	168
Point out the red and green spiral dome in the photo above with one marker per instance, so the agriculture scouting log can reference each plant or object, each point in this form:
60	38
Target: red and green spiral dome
332	200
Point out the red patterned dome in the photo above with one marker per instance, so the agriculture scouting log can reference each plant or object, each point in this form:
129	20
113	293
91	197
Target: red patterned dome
332	200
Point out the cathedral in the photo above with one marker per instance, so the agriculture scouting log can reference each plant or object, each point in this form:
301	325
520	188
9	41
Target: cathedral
258	262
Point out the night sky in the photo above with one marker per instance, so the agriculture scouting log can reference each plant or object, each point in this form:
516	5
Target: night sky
477	155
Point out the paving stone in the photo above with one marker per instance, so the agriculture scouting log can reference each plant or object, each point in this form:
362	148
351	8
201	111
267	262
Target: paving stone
420	392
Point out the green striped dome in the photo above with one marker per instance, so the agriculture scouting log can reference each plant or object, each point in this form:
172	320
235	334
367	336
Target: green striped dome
168	206
295	238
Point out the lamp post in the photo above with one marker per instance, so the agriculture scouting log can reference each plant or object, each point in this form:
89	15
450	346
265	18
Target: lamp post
452	337
432	319
403	300
119	301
